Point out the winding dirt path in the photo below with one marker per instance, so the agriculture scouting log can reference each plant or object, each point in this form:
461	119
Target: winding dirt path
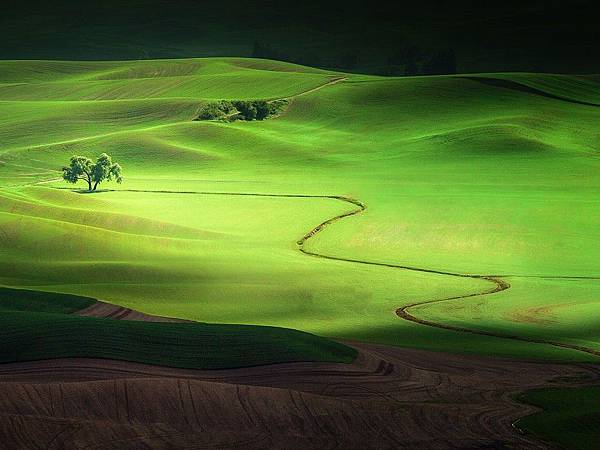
389	397
317	88
403	312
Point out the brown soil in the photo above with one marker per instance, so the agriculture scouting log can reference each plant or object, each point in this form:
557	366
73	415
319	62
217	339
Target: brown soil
110	311
388	398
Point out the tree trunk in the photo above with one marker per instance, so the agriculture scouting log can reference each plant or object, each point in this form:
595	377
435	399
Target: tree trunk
89	185
95	185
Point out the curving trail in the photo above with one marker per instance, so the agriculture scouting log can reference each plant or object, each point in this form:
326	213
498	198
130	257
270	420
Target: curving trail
317	88
389	397
402	312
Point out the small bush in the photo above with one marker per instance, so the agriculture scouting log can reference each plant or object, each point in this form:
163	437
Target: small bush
247	109
241	110
215	110
276	107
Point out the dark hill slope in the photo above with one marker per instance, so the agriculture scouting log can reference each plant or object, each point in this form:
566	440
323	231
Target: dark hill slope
354	35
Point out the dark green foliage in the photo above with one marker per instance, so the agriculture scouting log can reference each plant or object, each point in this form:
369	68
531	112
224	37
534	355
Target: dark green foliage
241	110
82	168
216	110
277	107
411	69
79	168
441	63
248	109
37	325
105	169
417	61
267	51
349	61
409	54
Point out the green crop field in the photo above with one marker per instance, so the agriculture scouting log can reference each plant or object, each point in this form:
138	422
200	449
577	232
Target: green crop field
37	325
569	417
458	176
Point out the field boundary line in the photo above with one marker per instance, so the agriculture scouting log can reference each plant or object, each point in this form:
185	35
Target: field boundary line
403	311
316	88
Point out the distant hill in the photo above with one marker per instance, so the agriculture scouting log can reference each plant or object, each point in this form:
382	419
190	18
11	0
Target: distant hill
425	37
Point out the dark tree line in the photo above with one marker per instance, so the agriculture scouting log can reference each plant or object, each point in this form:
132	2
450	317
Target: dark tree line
411	60
406	60
266	51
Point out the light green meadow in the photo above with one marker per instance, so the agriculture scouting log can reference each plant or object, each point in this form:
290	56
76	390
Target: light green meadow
457	176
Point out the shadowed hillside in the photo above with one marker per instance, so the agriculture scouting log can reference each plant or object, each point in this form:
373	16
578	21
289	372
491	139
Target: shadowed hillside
427	37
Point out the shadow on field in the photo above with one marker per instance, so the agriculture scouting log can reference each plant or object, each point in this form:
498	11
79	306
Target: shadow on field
514	86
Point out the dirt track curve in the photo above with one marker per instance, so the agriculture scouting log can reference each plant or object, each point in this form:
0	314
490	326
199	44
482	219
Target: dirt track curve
403	311
389	397
317	88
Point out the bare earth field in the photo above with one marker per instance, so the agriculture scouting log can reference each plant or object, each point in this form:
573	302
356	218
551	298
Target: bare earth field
389	397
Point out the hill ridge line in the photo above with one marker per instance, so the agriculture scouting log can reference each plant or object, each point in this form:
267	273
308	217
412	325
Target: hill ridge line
316	88
521	87
153	127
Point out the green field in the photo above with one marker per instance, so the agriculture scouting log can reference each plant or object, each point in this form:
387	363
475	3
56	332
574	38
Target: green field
569	417
457	175
37	325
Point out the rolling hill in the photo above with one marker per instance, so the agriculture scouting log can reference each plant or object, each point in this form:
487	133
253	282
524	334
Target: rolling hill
462	180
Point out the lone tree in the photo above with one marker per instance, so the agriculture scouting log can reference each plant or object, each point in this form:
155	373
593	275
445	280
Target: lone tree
83	168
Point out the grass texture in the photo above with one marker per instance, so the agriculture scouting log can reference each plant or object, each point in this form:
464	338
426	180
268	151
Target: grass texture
36	325
457	175
570	416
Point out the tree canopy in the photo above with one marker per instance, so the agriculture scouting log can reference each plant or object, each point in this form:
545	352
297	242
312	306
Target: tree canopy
232	110
83	168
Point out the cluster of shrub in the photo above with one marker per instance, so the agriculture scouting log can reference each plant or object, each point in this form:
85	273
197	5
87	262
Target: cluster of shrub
232	110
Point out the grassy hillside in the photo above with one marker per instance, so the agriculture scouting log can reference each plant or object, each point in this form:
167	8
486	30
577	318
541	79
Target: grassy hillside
37	325
457	175
570	417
